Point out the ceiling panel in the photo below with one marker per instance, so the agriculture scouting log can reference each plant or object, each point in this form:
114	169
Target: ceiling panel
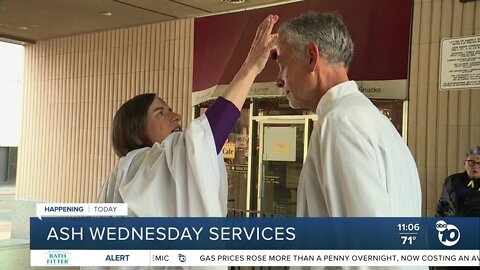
32	20
218	6
176	9
36	20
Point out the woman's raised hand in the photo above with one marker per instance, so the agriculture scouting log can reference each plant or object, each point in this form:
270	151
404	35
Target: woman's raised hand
262	44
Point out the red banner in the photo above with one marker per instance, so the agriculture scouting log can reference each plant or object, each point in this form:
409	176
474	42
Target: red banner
380	31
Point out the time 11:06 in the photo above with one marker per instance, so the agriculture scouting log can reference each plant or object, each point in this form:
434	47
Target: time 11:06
408	227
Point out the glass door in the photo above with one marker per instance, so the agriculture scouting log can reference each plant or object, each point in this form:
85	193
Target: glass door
281	147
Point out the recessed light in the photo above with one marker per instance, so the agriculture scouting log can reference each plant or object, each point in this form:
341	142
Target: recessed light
22	27
233	1
106	13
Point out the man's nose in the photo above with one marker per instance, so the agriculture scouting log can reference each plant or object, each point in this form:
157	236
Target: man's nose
280	82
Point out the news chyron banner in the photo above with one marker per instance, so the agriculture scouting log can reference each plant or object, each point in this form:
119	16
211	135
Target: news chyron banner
81	209
128	241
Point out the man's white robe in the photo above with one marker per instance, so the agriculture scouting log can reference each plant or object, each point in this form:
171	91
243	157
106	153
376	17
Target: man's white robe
181	177
357	164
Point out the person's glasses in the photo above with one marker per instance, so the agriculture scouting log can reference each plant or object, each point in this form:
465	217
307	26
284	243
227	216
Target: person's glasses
472	162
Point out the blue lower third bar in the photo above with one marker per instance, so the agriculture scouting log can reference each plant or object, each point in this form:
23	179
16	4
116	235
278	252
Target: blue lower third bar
128	233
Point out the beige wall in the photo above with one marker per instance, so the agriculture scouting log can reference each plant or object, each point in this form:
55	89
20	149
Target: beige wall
74	85
442	124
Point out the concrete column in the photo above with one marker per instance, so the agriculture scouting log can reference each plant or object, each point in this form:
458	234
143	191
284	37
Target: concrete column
3	164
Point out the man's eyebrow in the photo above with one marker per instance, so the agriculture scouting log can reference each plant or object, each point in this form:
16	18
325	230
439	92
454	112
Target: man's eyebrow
274	55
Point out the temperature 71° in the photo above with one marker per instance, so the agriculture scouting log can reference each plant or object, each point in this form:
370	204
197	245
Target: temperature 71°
408	240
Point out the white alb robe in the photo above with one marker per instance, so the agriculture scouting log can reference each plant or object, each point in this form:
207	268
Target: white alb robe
357	164
181	177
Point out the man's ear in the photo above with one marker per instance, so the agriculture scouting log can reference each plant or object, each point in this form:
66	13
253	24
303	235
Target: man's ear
313	54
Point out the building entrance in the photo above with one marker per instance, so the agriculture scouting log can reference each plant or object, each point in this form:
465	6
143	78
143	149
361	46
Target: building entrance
282	145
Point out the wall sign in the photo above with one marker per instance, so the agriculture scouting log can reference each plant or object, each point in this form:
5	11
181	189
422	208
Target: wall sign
460	63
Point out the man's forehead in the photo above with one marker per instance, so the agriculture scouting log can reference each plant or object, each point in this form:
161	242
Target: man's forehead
280	50
282	44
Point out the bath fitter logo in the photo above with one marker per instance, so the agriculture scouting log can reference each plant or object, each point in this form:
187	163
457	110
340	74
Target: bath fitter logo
58	257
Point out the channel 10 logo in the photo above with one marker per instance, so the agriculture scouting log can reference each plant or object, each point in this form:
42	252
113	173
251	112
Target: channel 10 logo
448	234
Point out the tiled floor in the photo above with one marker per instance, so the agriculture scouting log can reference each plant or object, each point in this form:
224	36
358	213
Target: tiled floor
7	193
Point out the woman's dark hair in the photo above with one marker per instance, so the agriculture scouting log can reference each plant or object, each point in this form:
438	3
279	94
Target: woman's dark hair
128	132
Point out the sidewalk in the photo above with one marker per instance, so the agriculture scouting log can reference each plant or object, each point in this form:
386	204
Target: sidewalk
7	193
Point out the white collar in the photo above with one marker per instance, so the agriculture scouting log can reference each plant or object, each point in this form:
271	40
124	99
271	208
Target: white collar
338	91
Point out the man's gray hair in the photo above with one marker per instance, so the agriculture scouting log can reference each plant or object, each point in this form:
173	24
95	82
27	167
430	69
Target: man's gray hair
324	29
473	151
